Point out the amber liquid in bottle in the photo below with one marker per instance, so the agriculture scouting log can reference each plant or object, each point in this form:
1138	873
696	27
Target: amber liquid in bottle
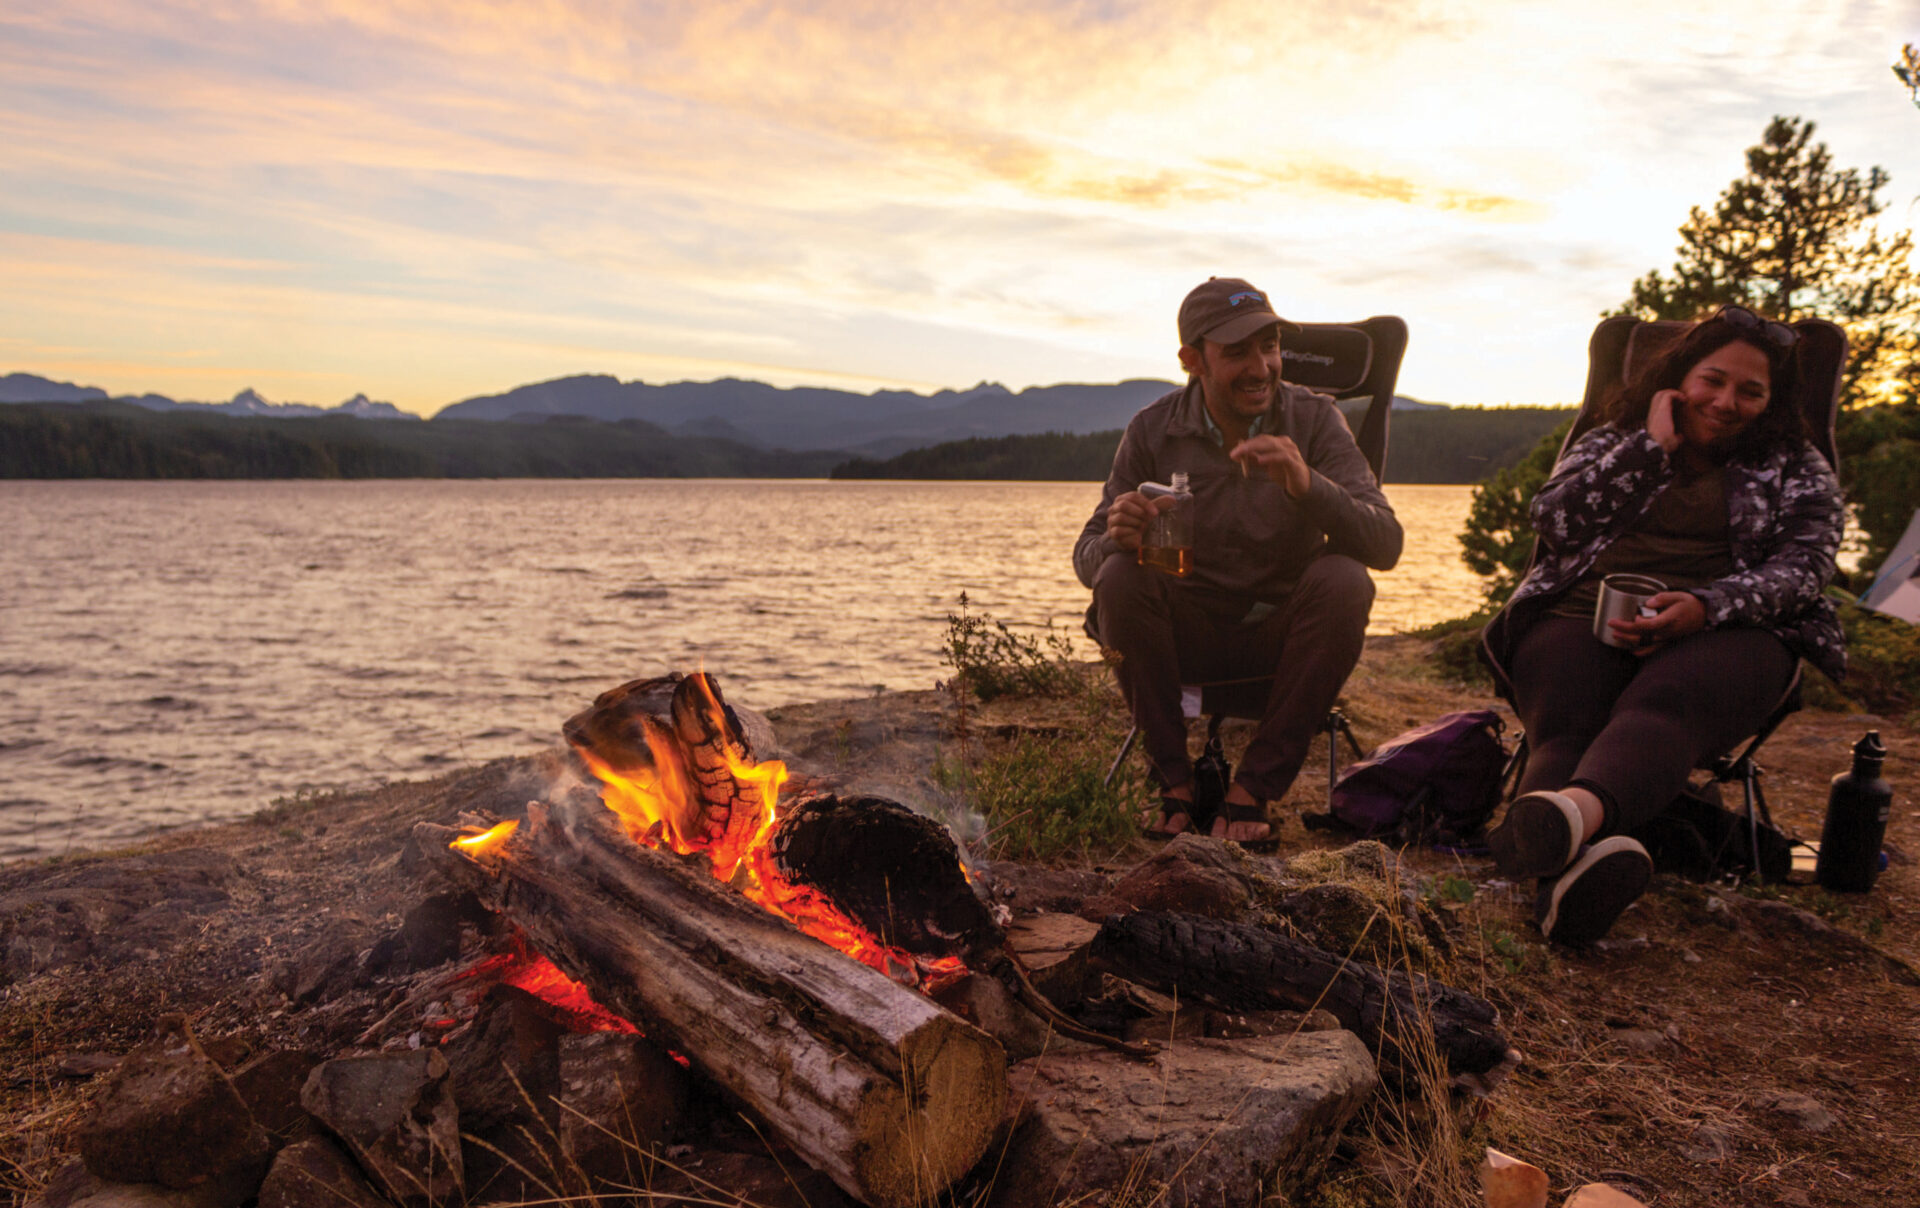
1167	544
1176	560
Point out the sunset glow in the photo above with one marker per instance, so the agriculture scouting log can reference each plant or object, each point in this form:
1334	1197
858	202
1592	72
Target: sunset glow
425	200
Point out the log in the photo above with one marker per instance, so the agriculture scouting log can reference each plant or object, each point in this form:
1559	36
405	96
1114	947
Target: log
887	1094
1401	1016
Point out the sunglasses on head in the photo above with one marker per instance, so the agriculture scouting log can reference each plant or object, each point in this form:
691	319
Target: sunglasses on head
1775	333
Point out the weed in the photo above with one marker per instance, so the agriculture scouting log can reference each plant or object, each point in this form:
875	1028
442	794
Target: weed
1045	797
1449	888
1509	948
990	660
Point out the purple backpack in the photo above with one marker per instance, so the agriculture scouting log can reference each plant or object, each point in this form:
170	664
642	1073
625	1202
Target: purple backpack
1437	783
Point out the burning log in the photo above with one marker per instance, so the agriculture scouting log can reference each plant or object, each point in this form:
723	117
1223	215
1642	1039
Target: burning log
1243	967
886	1093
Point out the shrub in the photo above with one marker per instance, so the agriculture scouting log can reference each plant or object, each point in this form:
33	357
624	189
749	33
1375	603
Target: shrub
991	660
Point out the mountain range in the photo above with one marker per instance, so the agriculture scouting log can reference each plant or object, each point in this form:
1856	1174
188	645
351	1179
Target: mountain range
880	424
30	388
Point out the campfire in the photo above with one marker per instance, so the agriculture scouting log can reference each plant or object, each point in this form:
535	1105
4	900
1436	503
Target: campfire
674	921
667	887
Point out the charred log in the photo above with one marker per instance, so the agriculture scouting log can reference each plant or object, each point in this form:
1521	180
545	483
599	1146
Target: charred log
895	872
1243	967
869	1082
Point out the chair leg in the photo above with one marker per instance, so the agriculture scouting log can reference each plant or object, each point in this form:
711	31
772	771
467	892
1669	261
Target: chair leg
1113	768
1335	724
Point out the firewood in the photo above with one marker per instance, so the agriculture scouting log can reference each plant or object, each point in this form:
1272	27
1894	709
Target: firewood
872	1084
1244	967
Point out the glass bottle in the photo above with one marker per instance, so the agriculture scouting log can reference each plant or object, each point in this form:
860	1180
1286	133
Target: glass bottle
1167	544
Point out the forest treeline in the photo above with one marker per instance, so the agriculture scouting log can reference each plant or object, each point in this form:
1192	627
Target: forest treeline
117	440
1444	445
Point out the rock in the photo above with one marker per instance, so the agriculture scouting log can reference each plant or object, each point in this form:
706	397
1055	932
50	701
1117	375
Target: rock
395	1113
620	1097
169	1115
1206	1122
1640	1040
507	1064
315	1173
1803	1110
326	967
1053	949
1191	874
1507	1182
1600	1195
1708	1143
1340	918
75	1187
270	1085
430	935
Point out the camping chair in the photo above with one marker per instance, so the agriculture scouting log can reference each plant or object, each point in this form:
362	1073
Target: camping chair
1348	361
1619	347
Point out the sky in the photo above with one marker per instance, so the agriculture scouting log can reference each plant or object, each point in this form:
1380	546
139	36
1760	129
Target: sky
426	200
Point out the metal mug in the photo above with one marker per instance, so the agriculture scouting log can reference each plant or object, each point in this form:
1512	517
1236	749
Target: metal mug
1622	598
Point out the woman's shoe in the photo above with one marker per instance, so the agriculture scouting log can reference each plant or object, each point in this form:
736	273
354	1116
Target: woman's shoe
1581	904
1539	836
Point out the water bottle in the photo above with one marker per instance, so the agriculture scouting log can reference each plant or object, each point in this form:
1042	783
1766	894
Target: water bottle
1167	544
1856	822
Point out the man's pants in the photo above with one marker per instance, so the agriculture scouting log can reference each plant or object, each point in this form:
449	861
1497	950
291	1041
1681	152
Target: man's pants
1166	638
1631	729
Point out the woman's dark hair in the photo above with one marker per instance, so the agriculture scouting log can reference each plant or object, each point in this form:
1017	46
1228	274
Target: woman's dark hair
1783	421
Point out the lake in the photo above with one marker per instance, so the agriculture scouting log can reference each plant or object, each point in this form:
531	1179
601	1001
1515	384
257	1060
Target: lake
181	652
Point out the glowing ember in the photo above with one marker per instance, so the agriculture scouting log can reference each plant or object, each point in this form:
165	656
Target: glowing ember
543	979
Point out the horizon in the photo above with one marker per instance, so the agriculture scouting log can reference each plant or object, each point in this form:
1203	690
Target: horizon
362	396
423	202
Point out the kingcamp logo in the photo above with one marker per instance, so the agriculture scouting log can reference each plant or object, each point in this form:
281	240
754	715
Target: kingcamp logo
1246	295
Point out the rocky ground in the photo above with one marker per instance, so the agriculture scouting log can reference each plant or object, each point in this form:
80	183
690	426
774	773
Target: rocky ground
1724	1046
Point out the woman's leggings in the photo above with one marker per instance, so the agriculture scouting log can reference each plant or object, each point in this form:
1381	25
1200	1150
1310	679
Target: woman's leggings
1631	729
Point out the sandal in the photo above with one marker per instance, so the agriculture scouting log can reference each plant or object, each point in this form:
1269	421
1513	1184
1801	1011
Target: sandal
1256	812
1170	808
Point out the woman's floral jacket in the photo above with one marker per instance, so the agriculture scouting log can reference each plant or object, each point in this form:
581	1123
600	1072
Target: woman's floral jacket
1784	518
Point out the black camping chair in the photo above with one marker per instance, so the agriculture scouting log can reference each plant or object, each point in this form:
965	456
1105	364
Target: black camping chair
1619	347
1348	361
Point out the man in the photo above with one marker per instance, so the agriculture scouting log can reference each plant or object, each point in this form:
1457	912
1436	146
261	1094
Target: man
1286	518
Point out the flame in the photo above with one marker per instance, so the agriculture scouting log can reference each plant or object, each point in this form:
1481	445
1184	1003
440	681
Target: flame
488	841
659	807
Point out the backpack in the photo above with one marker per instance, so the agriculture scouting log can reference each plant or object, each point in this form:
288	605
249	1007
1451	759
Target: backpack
1436	783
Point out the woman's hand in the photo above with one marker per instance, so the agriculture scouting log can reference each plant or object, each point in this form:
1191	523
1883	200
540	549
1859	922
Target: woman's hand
1675	615
1660	423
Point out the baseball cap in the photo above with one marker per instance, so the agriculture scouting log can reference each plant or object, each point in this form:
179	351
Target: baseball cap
1226	310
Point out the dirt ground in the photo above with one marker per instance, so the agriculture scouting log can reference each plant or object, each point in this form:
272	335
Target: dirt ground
1724	1047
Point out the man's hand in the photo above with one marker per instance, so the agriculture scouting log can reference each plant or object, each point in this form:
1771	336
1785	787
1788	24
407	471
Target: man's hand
1676	614
1129	515
1660	424
1278	458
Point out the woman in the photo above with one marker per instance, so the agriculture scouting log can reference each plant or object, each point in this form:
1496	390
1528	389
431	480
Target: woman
1703	478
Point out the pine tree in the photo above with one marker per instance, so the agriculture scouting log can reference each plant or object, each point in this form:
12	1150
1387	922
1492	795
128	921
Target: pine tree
1796	238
